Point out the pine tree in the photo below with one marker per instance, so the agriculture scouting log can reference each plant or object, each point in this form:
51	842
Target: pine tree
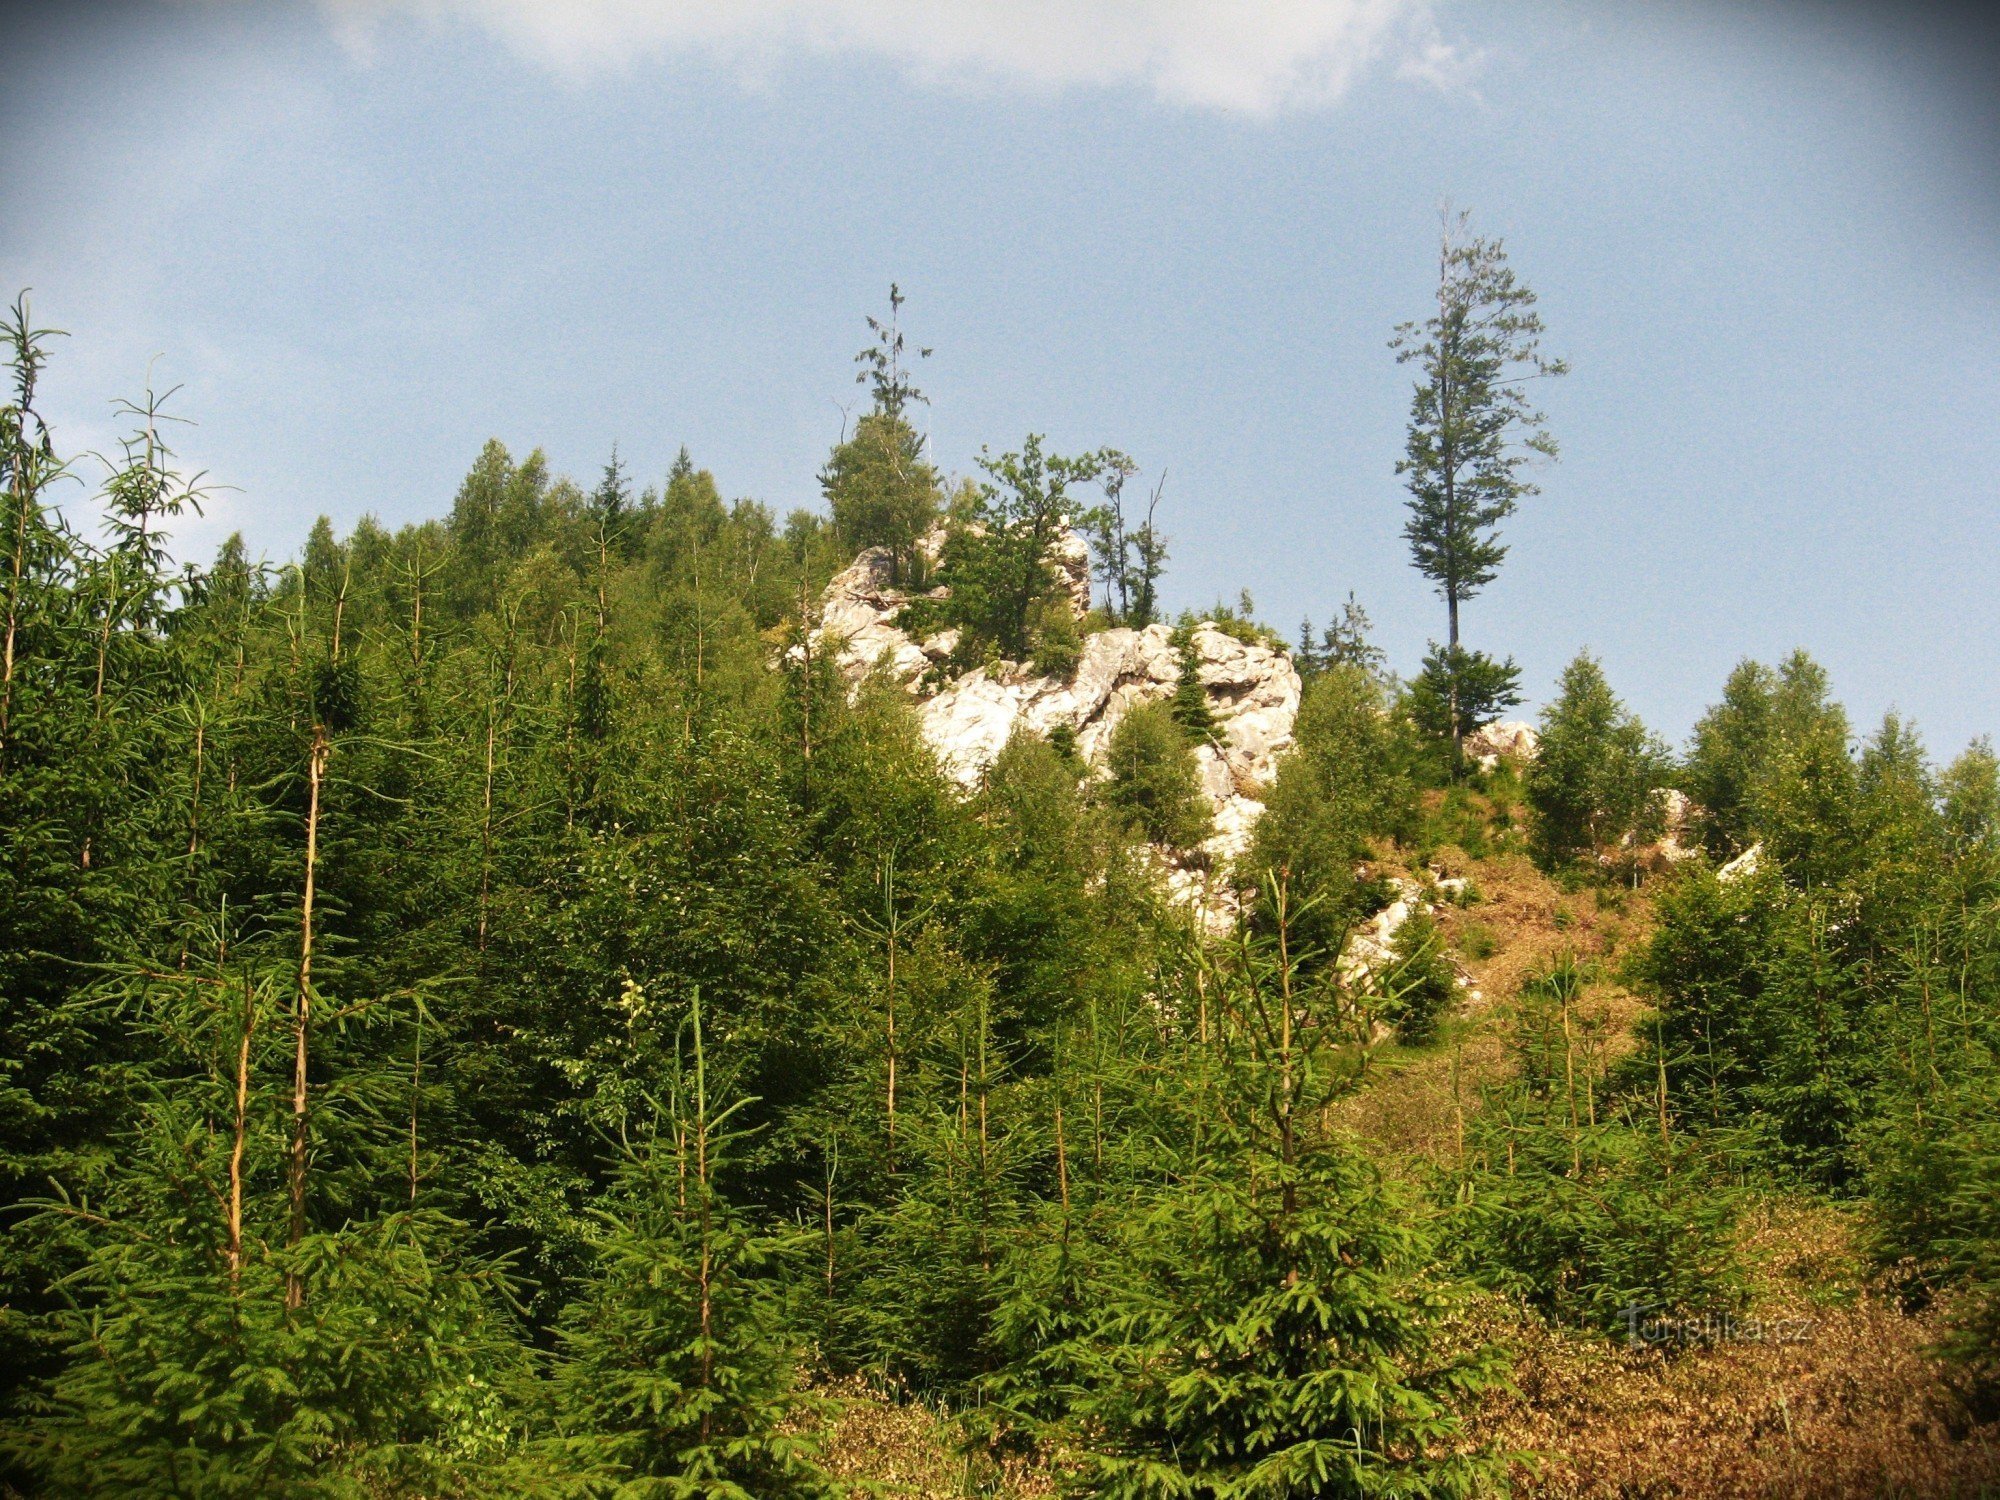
1577	1197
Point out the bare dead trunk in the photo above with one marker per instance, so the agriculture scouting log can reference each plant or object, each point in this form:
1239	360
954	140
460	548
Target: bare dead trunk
239	1131
302	1012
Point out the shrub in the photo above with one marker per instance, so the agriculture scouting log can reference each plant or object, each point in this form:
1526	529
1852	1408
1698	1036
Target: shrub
1272	1331
1585	1208
1057	638
1476	941
1345	785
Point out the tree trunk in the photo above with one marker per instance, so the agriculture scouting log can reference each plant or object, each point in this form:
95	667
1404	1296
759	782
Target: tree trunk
234	1248
302	1013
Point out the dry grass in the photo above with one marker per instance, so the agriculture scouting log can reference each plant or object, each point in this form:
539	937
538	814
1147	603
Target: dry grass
1411	1110
881	1445
1853	1407
1829	1394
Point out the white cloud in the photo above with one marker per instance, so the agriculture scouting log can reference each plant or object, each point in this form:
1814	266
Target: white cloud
1252	57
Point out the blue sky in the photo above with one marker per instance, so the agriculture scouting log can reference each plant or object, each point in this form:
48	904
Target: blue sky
365	235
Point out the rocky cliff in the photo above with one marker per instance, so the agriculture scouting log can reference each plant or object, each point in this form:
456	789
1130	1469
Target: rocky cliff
1253	691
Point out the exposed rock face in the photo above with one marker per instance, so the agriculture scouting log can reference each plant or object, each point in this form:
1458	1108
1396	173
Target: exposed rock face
858	611
1746	864
1372	947
1509	739
1253	691
860	605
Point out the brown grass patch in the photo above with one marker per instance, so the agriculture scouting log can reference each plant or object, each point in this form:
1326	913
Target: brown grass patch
1825	1391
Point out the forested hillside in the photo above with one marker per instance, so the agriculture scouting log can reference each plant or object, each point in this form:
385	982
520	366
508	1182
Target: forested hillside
489	1009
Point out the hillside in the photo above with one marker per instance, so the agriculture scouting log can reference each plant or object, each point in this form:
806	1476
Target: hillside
1829	1385
606	993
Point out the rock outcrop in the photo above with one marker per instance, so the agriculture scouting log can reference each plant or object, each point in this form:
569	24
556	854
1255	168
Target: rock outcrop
1509	739
1745	865
1252	689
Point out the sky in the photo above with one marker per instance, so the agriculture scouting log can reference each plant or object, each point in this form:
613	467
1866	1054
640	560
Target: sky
363	236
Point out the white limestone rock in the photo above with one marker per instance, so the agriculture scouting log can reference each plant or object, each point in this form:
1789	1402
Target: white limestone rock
858	613
1746	864
1508	739
1371	947
1253	690
1679	820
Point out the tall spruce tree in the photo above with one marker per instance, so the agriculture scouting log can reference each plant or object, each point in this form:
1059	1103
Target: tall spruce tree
1472	426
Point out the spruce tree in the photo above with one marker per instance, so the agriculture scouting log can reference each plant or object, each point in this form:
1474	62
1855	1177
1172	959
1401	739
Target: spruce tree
1271	1334
1591	784
679	1366
1472	427
880	489
1154	782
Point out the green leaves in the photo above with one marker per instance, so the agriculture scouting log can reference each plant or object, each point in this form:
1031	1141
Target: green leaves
1590	786
678	1360
1472	427
1154	784
1267	1324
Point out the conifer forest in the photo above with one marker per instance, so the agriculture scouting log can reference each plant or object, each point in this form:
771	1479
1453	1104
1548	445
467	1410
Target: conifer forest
520	1004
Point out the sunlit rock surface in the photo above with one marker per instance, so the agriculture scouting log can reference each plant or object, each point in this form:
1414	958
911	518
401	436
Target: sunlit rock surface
1253	694
1508	739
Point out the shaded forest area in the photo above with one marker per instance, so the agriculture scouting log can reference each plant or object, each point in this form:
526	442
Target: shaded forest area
487	1010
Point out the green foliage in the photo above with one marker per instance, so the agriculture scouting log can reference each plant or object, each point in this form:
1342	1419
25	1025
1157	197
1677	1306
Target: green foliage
999	557
1058	638
1190	700
880	490
1238	621
1347	783
348	908
1154	782
678	1368
1591	784
184	1381
1458	691
1472	427
1344	642
1930	1146
1129	560
218	1345
1730	742
1421	984
1771	762
1272	1332
1570	1198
